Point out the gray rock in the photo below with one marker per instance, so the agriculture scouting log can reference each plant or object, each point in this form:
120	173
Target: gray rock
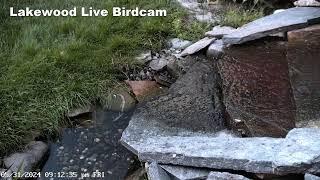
198	46
155	172
79	111
311	177
5	174
293	18
225	176
186	173
120	102
179	44
198	10
30	157
219	31
193	98
206	17
181	66
158	64
216	49
144	57
307	3
297	153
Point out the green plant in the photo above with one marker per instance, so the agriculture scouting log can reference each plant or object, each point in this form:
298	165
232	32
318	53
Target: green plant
237	16
49	65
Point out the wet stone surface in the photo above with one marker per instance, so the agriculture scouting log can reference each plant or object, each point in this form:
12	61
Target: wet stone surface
94	149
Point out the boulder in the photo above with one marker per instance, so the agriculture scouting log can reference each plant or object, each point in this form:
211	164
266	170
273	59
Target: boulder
256	89
307	3
121	101
144	57
304	67
198	46
179	44
225	176
193	98
199	11
28	159
290	19
158	64
80	111
220	31
144	89
298	153
216	49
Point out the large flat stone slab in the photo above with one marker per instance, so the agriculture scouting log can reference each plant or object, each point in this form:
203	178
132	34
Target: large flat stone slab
298	153
291	19
220	31
198	46
303	54
256	89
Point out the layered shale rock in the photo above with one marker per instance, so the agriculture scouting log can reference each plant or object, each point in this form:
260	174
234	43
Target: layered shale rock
303	54
298	153
256	89
287	20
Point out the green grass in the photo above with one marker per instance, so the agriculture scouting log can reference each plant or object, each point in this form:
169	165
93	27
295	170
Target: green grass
51	64
237	15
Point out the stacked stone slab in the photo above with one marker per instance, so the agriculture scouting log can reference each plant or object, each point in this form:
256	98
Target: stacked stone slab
304	63
261	98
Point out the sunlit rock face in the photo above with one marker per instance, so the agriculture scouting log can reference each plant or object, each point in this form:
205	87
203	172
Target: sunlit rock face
304	65
256	89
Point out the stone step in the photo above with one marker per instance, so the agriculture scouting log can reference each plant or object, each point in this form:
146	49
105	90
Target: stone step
298	153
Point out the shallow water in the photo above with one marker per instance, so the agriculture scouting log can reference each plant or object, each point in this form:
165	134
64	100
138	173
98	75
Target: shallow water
83	151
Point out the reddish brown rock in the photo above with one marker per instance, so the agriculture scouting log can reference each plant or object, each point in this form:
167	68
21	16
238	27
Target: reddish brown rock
304	65
144	89
257	92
